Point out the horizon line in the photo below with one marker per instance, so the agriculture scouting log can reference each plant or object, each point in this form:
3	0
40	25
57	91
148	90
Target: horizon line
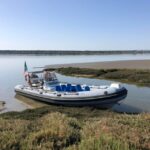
72	50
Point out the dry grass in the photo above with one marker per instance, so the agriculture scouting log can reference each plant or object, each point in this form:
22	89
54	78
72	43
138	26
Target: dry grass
121	132
11	132
51	131
54	131
57	128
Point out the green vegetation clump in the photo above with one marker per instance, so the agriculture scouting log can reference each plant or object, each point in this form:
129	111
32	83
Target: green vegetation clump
77	71
55	127
139	77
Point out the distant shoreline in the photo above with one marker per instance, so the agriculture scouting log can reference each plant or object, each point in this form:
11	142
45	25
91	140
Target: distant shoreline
72	52
124	64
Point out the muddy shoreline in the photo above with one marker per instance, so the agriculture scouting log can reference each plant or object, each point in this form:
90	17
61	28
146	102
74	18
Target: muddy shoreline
126	64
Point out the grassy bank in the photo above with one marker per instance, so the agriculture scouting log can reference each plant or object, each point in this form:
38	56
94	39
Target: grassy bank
139	77
54	127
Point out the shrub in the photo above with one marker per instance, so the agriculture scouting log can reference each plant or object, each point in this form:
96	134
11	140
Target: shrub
55	131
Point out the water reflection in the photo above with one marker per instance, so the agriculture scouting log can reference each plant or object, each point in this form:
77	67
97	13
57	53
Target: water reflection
30	102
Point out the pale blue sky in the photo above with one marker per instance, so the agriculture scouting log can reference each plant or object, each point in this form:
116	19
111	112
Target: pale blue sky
75	24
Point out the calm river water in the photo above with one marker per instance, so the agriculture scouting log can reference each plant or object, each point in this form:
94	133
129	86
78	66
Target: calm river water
138	99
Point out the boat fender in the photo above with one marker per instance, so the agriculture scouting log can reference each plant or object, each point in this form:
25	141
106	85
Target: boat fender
105	92
58	94
22	87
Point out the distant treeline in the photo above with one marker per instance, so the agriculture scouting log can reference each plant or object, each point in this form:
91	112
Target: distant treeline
72	52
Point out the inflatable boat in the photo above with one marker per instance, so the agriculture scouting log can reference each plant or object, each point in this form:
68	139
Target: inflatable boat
75	95
47	88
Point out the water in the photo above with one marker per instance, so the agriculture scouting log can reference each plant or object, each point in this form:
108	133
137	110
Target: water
12	68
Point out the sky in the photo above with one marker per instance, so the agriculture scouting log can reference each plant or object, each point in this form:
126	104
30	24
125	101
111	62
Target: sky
74	24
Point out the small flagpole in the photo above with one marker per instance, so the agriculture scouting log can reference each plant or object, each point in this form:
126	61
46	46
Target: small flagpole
26	74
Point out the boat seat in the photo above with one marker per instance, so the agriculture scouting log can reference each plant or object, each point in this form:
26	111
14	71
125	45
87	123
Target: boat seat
79	88
73	89
68	88
68	85
87	88
63	87
58	88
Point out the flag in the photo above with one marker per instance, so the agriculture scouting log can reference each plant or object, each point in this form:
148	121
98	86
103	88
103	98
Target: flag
26	74
25	68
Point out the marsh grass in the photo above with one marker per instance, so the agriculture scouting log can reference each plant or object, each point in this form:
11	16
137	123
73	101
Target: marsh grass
55	127
139	77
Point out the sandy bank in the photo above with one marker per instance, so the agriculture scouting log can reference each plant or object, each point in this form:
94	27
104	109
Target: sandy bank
127	64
